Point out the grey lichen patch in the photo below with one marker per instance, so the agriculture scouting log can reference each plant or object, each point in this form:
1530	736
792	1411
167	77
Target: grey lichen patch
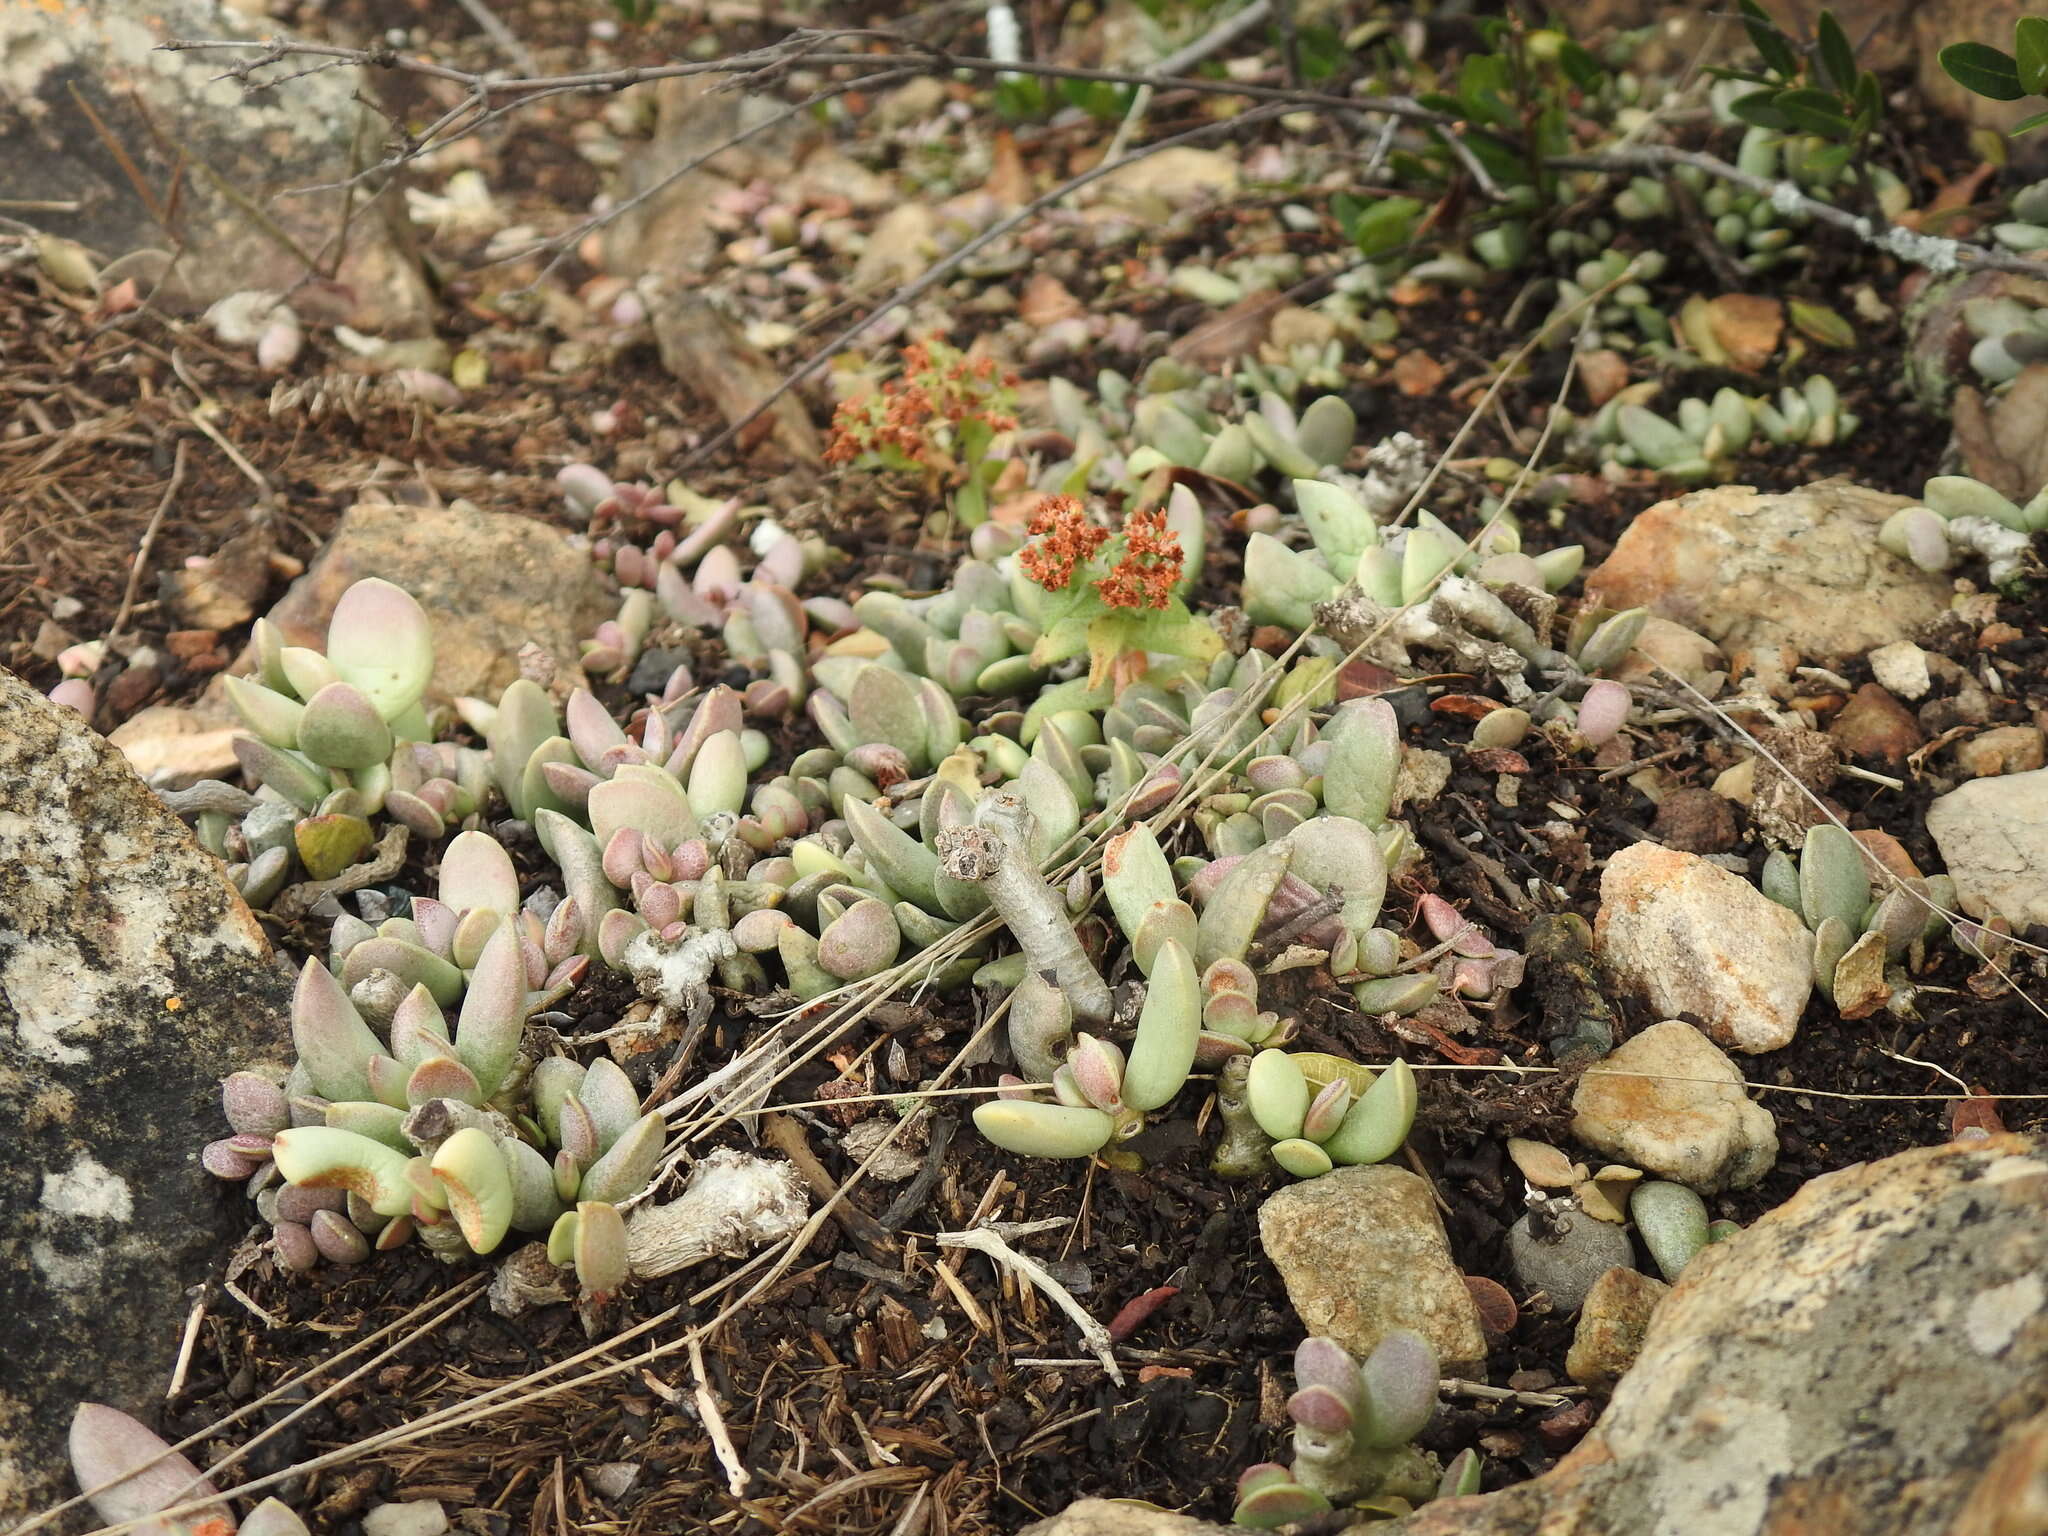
88	1189
1996	1316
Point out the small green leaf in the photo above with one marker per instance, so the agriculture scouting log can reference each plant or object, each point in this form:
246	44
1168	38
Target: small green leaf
1759	109
1819	323
1984	70
1769	41
1815	112
1387	223
1579	66
2030	53
2038	120
1836	57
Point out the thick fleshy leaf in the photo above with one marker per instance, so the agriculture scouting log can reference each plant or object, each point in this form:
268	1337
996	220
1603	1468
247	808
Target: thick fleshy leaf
1322	1409
493	1018
1673	1222
1232	917
599	1248
341	728
273	1518
1135	876
611	1100
624	1171
273	717
1833	881
1302	1158
862	942
409	963
442	1077
1364	753
1169	1028
525	718
1278	1504
323	1157
1322	1361
333	1043
477	872
1035	1129
290	775
129	1472
1278	1094
1400	1377
479	1185
1380	1121
381	641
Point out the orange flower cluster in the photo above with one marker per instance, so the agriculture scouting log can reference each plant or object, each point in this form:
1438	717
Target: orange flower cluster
949	387
1063	540
1151	563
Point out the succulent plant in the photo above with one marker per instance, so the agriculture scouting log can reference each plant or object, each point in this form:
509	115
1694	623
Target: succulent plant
1958	515
1861	938
1699	447
1354	1427
456	1135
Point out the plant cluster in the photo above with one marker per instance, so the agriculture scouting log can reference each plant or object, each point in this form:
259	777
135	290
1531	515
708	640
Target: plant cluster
938	418
2000	76
1960	515
1354	1429
1700	446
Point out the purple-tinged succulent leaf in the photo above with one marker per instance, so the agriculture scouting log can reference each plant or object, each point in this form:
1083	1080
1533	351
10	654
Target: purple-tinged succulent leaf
442	1077
477	872
412	964
472	1170
1400	1378
1212	1050
269	714
1277	1505
337	1238
372	1118
334	1044
1450	925
297	1203
861	942
220	1159
1322	1409
1461	1475
254	1105
565	977
418	1029
610	1099
615	930
646	797
623	856
584	486
290	775
659	904
599	1249
436	922
624	1170
419	815
1163	923
1264	1474
536	962
1603	710
75	693
1321	1361
1327	1110
293	1243
472	933
576	1131
381	641
1098	1069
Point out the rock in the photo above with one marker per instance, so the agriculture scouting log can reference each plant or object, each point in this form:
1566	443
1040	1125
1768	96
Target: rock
1696	821
1173	178
1869	1359
419	1517
1993	835
2005	749
1114	1517
131	978
1670	1102
1901	669
1797	768
901	247
1753	572
1673	647
73	65
1565	1264
708	351
490	581
1615	1316
1874	724
175	746
1689	937
1362	1251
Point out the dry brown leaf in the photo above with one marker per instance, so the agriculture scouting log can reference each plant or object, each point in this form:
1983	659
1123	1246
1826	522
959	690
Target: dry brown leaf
1417	373
1749	326
1543	1165
1604	372
1046	300
1978	1112
1009	179
1236	332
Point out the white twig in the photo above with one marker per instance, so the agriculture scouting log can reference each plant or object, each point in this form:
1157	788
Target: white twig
714	1425
1093	1334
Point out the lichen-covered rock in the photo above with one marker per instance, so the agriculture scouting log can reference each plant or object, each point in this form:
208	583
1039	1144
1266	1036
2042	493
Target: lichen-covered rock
489	581
1690	937
68	66
1612	1324
1362	1252
1761	573
1869	1359
1671	1103
132	978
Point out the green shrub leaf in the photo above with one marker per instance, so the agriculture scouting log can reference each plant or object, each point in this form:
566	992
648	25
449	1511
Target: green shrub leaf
1984	70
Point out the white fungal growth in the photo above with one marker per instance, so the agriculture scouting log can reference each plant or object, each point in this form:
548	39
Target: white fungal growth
734	1204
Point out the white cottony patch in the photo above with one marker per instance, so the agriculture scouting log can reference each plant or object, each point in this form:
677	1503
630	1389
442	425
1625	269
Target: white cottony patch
1005	36
1786	198
88	1188
1937	255
1999	1313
